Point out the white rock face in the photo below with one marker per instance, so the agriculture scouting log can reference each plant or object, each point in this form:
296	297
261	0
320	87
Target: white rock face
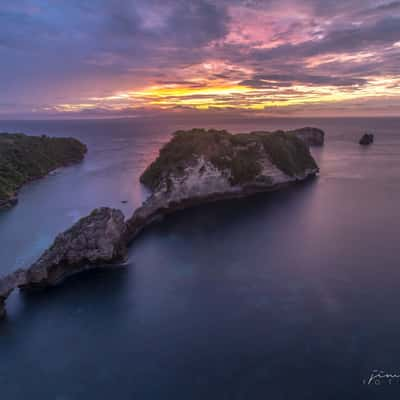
279	177
202	179
271	171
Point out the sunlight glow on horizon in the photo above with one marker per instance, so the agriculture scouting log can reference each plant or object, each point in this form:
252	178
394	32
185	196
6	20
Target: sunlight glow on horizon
225	95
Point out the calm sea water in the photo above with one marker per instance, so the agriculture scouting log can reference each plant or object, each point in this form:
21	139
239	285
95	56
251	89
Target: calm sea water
289	295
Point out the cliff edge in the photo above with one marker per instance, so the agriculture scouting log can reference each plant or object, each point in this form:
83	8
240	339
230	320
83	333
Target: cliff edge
199	164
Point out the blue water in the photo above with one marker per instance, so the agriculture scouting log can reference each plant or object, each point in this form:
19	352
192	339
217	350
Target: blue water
286	295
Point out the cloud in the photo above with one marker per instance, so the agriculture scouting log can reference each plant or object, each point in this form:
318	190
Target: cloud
149	29
21	29
70	51
383	32
273	80
382	8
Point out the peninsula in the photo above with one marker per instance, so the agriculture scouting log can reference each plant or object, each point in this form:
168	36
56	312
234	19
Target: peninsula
25	158
194	167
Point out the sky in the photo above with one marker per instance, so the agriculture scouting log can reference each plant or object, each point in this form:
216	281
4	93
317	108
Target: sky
100	58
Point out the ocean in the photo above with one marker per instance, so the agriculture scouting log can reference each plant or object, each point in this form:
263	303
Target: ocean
284	295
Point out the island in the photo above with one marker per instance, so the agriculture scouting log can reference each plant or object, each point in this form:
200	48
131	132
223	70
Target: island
24	158
195	167
366	139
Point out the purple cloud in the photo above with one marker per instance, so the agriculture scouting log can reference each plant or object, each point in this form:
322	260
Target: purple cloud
72	50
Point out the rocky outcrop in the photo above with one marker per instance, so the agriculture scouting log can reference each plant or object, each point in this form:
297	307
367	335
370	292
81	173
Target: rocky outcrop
366	139
201	166
94	241
217	161
25	158
312	136
194	167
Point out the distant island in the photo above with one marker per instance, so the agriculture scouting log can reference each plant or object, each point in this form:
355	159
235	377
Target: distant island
194	167
366	139
25	158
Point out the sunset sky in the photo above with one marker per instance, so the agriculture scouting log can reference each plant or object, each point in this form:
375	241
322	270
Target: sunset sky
89	58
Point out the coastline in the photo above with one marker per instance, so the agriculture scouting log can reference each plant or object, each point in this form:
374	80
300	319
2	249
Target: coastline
25	159
241	166
147	215
13	199
143	217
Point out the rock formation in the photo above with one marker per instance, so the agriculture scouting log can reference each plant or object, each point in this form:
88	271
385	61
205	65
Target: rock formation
24	158
312	136
94	241
198	166
194	167
366	139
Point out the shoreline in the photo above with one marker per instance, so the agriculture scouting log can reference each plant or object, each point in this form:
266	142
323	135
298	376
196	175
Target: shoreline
13	200
26	158
196	167
143	217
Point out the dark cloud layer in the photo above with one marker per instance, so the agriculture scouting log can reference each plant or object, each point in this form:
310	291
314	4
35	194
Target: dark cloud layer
285	80
383	32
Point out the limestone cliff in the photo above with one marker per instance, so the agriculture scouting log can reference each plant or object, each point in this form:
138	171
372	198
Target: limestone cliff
199	164
94	241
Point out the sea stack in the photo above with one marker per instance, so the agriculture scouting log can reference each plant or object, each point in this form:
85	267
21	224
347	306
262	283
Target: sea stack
201	164
366	139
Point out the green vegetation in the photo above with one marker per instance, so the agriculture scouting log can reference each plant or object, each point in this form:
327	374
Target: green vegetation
23	158
240	154
287	151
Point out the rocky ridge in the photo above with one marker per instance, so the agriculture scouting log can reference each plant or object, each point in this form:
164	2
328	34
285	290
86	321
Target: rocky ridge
94	241
198	166
194	167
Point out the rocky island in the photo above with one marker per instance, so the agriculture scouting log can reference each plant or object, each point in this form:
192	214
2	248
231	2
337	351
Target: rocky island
24	158
366	139
194	167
